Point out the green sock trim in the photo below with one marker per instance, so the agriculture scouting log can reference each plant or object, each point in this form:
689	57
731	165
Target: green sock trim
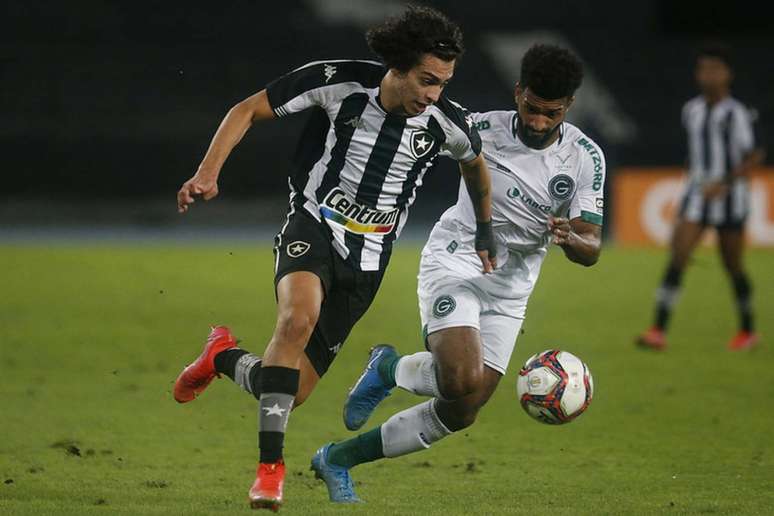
362	448
386	370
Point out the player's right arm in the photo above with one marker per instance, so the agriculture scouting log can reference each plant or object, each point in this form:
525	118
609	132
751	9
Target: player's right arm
319	83
231	130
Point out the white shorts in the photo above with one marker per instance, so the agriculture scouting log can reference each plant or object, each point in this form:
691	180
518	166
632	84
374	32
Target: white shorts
447	301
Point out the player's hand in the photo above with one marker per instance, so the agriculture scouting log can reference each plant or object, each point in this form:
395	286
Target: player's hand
715	189
560	229
485	246
199	185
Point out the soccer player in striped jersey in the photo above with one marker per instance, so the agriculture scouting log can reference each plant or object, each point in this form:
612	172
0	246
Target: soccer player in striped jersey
721	154
547	186
377	128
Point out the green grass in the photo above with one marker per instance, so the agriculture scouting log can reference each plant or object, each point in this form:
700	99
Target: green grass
93	336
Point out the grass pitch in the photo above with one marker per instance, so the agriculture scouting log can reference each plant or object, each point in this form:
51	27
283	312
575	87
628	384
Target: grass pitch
93	337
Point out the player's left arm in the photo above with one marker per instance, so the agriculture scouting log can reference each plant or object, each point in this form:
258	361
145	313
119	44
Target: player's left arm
579	233
743	131
752	160
478	183
581	241
464	144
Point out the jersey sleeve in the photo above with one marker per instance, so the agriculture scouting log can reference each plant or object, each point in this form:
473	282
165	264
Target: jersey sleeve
684	115
588	202
742	129
476	119
320	83
462	140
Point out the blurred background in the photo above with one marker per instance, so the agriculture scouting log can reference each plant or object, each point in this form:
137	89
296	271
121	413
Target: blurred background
108	107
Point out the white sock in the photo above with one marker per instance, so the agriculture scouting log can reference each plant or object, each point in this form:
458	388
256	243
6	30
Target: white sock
416	373
413	429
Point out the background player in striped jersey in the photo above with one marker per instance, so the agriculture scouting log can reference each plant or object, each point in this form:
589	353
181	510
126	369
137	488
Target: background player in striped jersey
721	154
547	186
377	128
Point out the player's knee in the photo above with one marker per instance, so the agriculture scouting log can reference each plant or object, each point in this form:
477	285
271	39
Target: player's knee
460	382
295	325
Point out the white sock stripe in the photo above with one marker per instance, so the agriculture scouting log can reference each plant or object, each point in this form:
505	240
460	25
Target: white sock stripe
274	411
667	295
242	370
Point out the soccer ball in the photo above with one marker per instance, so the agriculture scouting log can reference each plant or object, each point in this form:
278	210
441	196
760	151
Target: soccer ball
555	387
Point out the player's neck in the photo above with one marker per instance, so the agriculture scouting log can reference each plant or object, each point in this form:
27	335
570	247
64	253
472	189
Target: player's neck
389	98
713	97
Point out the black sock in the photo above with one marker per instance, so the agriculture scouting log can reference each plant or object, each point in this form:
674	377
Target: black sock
667	295
279	386
225	361
743	292
242	367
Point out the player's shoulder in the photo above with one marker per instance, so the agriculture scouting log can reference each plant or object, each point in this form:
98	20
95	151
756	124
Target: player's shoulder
738	107
454	113
694	102
581	143
493	120
335	71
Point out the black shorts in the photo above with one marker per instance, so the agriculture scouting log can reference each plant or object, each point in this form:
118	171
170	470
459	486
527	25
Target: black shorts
304	244
726	212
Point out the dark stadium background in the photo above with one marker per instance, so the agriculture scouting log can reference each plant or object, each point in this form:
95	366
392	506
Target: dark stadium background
106	108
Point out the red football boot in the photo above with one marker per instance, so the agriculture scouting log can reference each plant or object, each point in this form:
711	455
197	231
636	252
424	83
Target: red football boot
198	375
654	338
266	492
743	340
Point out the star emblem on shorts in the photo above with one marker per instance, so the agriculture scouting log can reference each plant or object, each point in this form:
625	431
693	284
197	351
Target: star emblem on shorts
274	410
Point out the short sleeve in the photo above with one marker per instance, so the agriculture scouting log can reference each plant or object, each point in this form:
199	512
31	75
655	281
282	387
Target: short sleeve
588	202
742	129
320	83
462	140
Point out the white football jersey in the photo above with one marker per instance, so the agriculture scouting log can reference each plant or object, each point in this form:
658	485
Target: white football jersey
565	179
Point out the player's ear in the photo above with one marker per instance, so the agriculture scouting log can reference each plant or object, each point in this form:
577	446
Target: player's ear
517	91
569	103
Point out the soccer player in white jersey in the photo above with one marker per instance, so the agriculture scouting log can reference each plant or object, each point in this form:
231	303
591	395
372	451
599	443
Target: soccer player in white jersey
547	186
376	130
721	155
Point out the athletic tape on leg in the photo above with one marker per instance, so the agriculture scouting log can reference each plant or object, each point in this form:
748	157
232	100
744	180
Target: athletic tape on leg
416	373
413	429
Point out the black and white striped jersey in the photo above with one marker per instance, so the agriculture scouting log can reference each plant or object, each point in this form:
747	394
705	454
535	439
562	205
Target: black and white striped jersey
719	137
358	167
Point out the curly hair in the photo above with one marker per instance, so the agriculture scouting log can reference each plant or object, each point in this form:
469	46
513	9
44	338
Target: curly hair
551	72
401	41
716	50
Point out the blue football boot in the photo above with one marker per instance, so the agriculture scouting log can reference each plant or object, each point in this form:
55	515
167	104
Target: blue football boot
369	390
336	478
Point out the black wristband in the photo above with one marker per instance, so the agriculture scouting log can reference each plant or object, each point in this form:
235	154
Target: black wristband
485	237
